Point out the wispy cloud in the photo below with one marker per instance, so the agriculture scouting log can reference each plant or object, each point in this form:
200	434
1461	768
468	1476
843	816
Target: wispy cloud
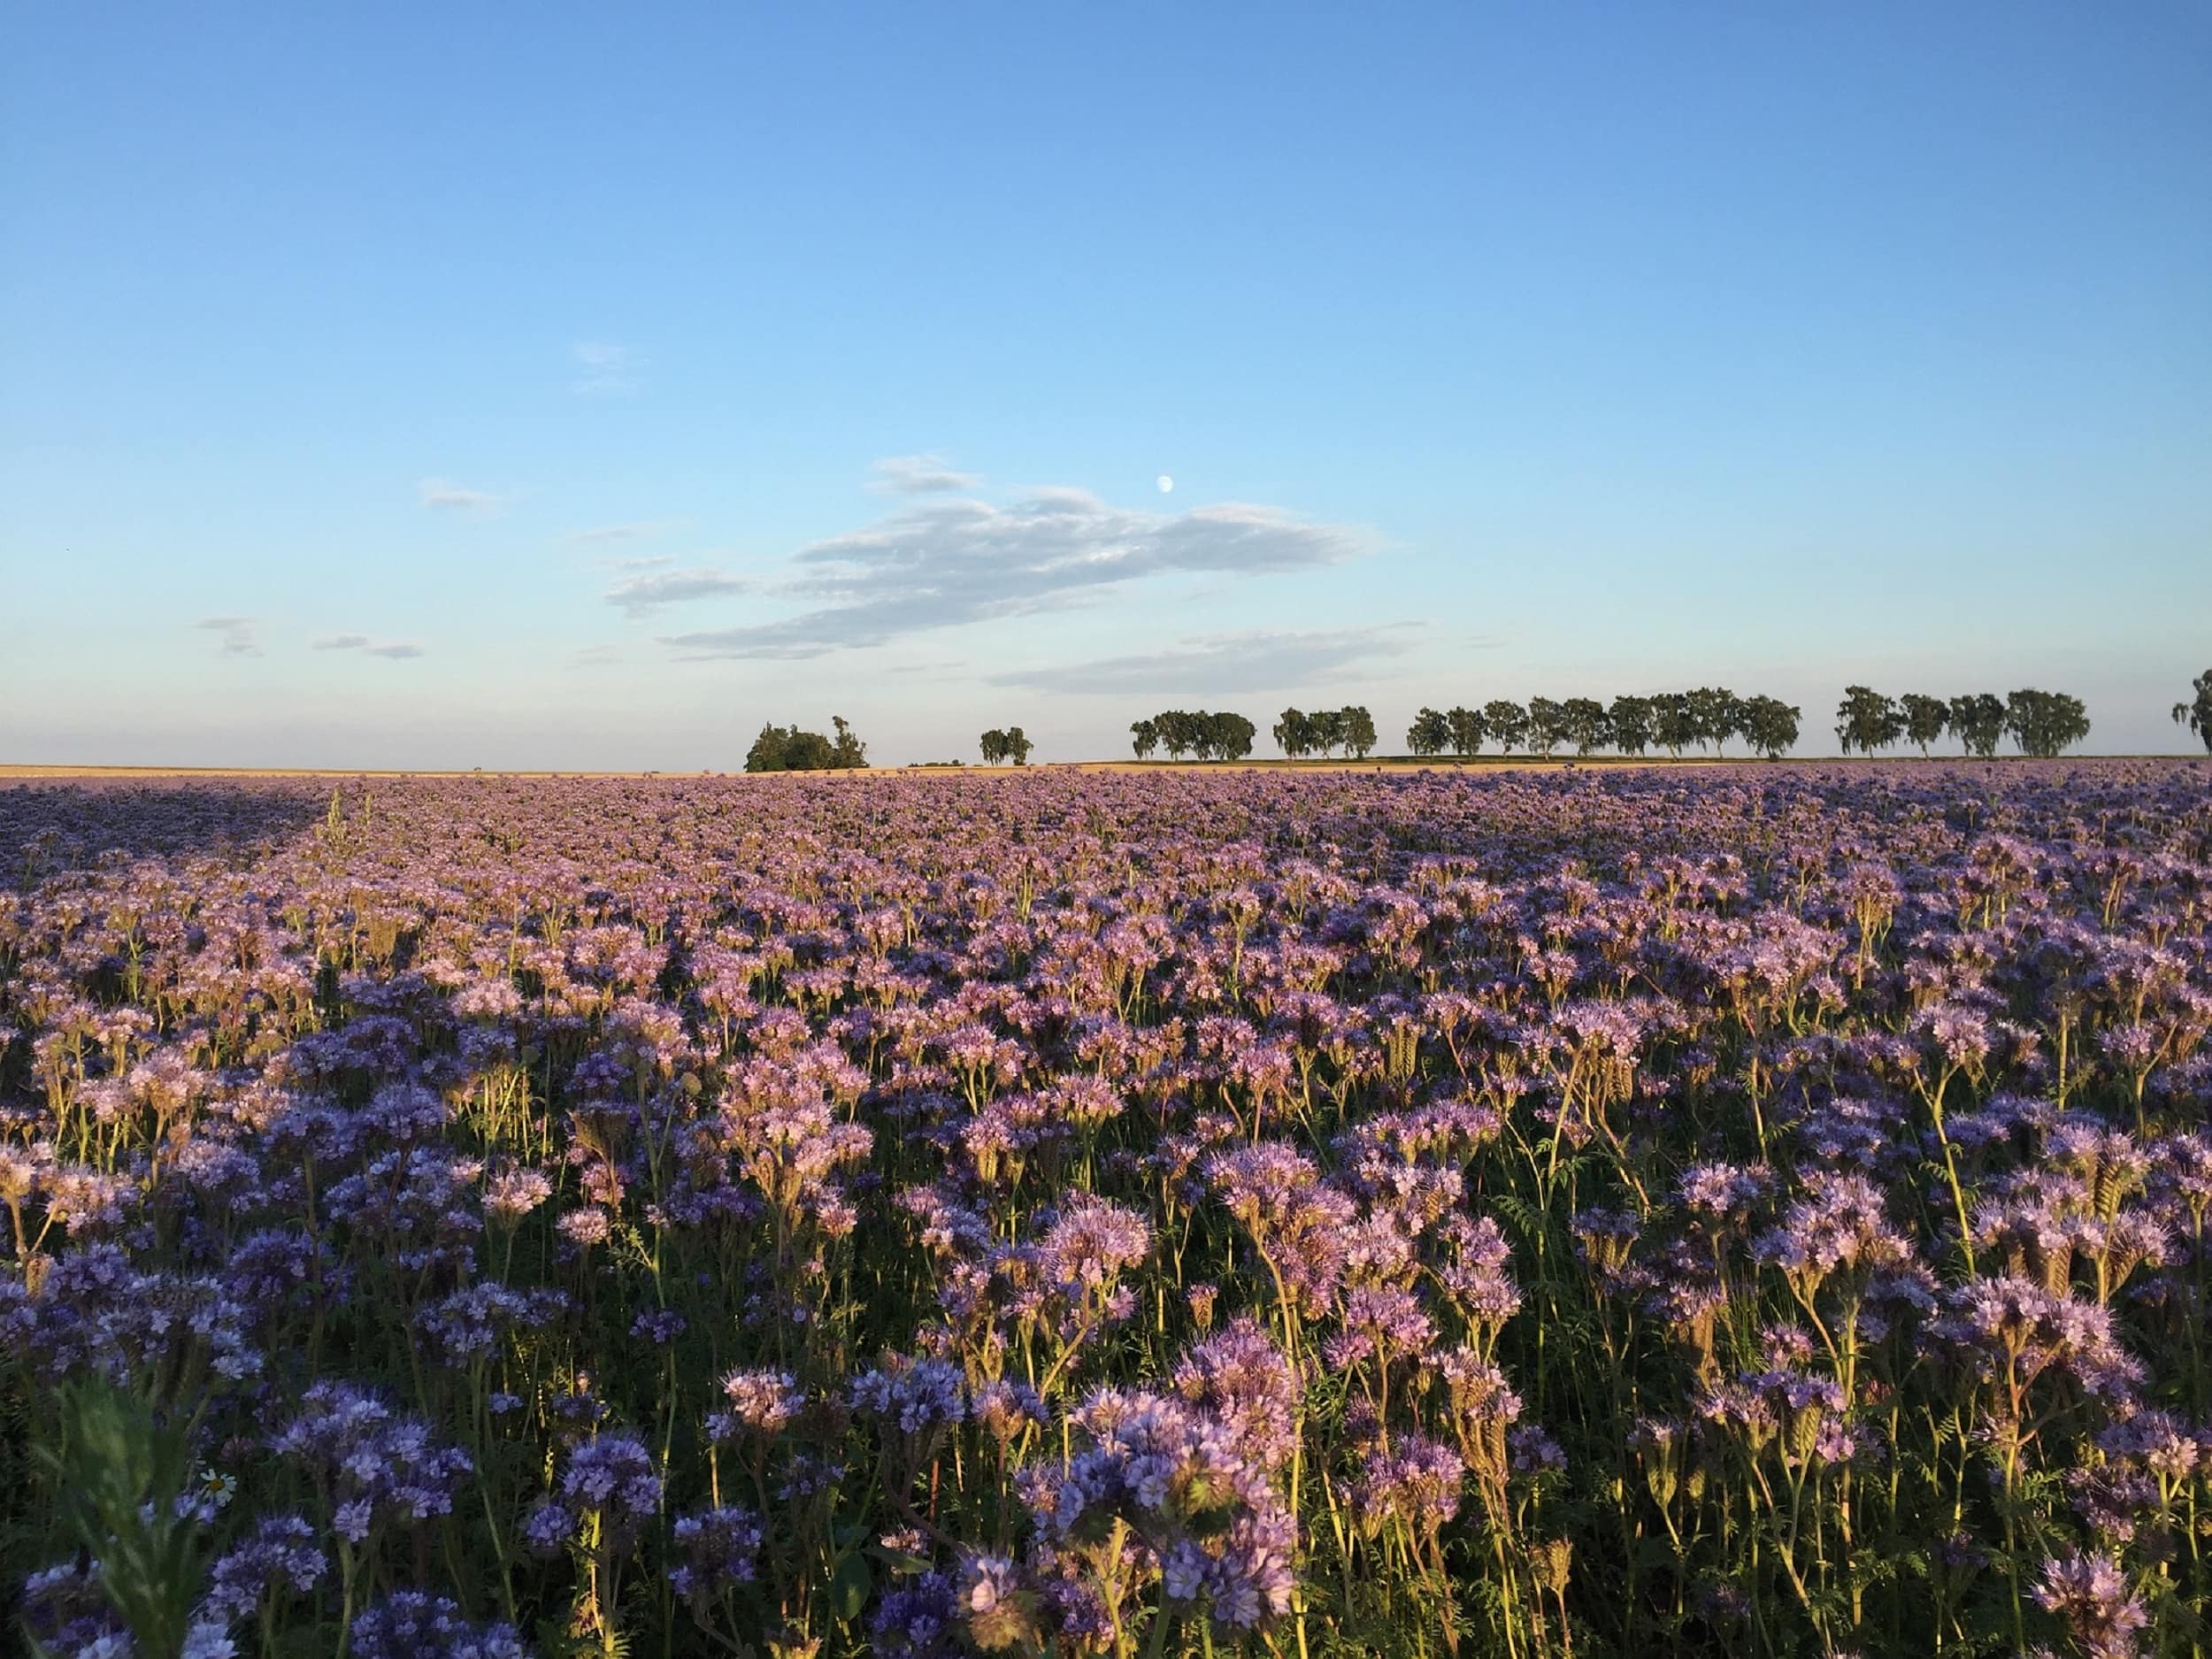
441	496
1220	662
652	585
948	563
918	475
605	370
237	634
397	650
603	535
594	656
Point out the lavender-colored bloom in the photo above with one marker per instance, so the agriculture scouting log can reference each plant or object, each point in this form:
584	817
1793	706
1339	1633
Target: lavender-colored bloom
762	1403
1092	1244
1379	1324
1006	1409
2091	1596
1243	1575
64	1608
373	1465
278	1556
912	1395
2014	1331
511	1194
1240	1378
613	1478
918	1619
1415	1480
408	1625
721	1550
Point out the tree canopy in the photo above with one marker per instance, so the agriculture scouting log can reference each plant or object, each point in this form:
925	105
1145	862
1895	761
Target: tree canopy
2197	715
1209	736
1010	744
1299	734
2046	724
787	748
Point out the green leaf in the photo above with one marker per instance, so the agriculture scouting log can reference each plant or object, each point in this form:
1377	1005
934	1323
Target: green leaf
849	1589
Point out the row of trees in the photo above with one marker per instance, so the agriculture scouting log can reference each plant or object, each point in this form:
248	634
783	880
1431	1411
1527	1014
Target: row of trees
1350	729
1011	744
2044	723
1672	720
787	748
1180	732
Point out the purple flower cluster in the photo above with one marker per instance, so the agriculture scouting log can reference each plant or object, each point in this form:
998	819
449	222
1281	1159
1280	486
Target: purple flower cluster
372	1464
611	1481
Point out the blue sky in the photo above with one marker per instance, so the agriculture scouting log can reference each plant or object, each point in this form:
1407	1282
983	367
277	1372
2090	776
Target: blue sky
582	387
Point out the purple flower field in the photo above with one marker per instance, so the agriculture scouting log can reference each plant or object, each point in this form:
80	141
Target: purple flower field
1753	1209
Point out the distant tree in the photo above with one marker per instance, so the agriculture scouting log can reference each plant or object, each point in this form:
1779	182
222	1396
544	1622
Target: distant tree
1587	725
1866	720
2197	715
808	751
1294	734
1468	729
2046	724
1359	731
768	750
993	743
1978	720
1770	725
1015	745
1631	719
1326	726
787	748
1431	733
1672	724
1144	738
1183	732
1547	724
1717	714
1508	722
1926	718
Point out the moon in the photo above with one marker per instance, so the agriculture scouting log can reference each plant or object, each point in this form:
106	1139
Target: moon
1167	484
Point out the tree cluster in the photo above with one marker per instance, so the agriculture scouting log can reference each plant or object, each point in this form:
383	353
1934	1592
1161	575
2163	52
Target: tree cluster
1180	732
1671	720
2043	723
1324	733
787	748
1011	744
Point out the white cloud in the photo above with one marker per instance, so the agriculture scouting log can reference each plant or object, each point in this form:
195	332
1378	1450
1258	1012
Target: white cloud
397	650
441	496
1259	661
238	635
605	370
918	475
652	585
949	563
639	531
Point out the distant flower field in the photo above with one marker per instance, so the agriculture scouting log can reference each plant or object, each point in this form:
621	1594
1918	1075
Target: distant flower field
1757	1210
